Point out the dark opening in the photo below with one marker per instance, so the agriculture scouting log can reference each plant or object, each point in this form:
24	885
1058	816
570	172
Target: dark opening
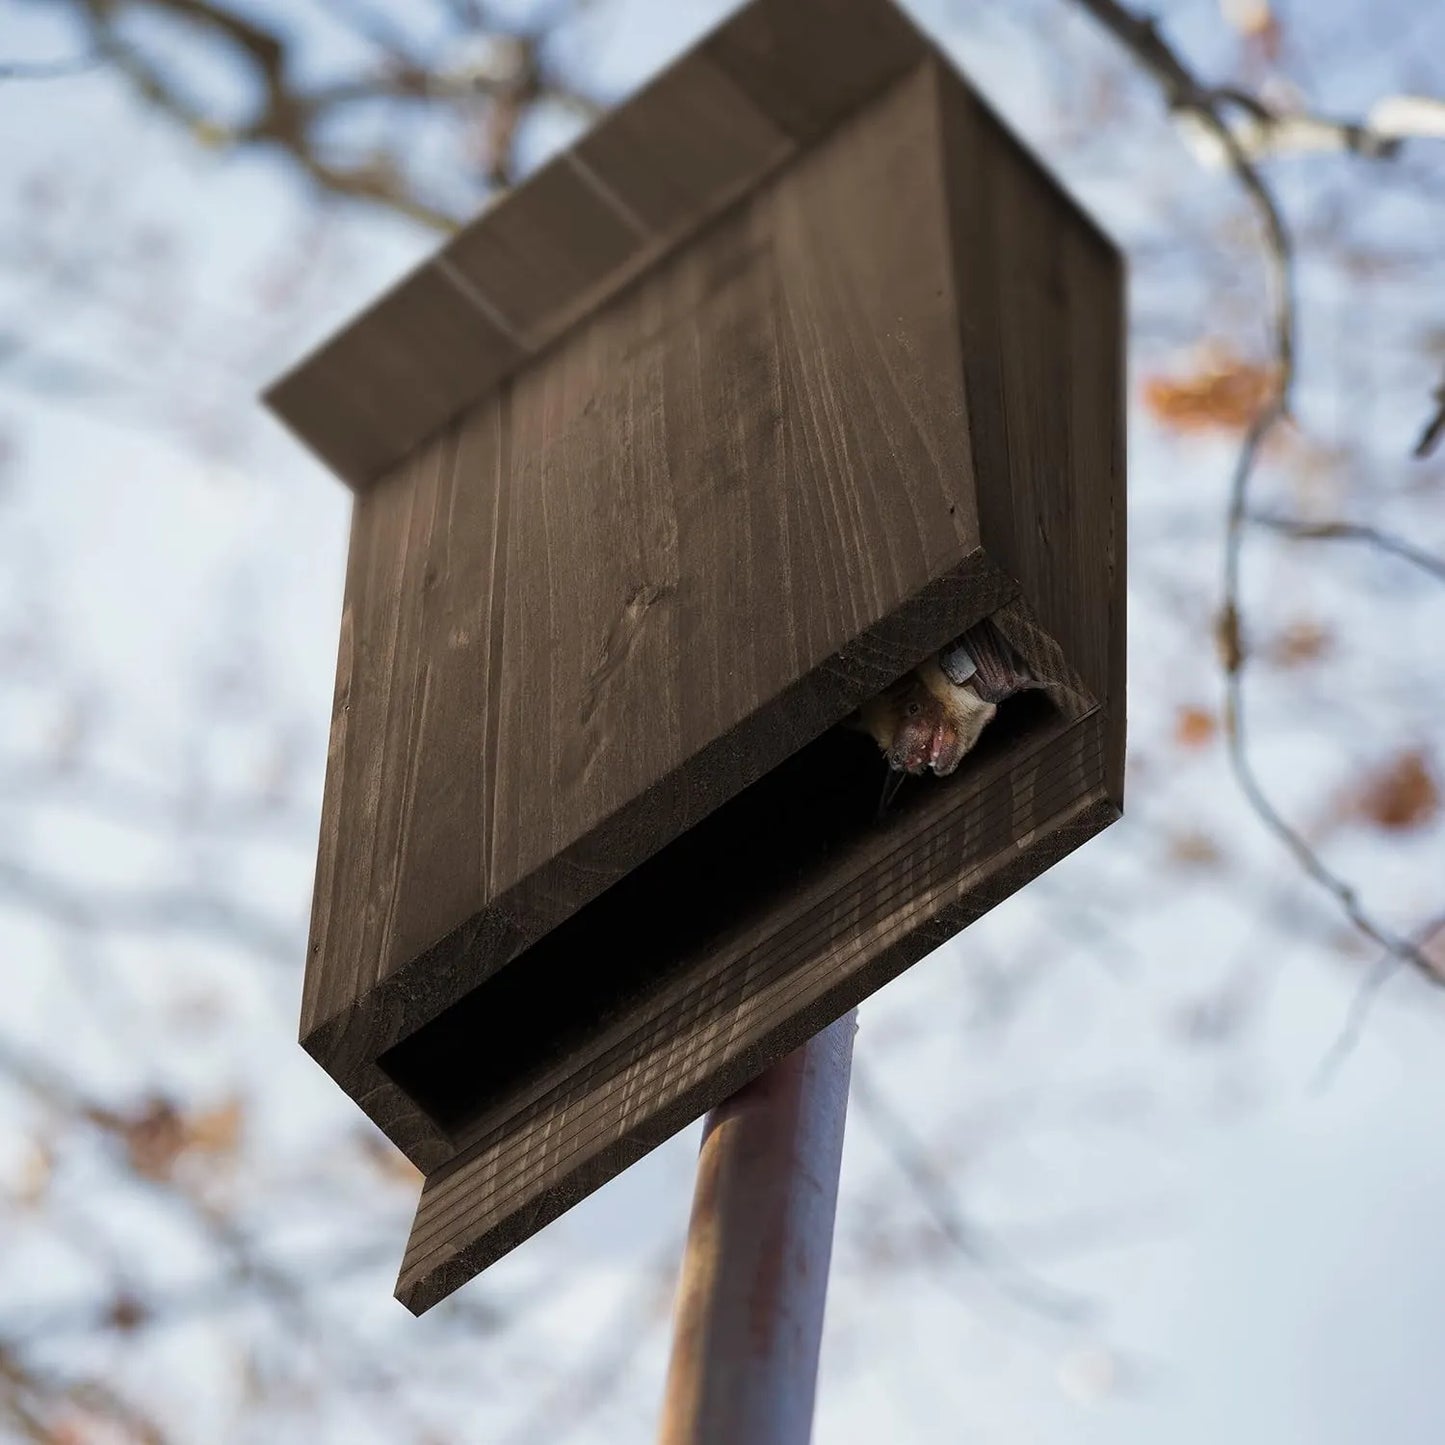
768	840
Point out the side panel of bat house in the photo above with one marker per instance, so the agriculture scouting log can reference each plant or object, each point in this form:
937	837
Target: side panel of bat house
1040	302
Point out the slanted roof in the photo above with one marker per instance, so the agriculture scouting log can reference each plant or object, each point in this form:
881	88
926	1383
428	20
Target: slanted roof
766	83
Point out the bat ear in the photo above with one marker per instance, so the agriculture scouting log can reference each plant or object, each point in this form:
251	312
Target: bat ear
999	672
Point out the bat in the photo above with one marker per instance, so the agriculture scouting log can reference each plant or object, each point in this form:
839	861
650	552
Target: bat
933	716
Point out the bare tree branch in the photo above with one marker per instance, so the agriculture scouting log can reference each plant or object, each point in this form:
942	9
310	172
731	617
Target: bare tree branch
132	1311
30	1396
935	1194
161	911
49	69
1185	93
1434	428
289	118
1353	1028
619	1341
1375	537
1262	130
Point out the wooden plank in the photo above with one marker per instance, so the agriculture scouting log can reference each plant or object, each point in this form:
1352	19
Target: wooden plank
702	134
365	398
723	428
454	756
872	399
724	1016
372	674
542	254
1095	280
809	63
409	724
1040	296
687	145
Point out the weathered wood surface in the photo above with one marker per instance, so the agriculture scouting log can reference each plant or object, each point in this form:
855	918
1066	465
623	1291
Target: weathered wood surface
787	374
720	1017
763	85
1040	302
728	507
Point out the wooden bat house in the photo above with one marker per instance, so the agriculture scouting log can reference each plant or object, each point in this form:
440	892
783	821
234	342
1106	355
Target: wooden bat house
792	369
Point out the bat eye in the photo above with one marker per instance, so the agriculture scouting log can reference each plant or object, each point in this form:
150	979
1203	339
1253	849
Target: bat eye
914	708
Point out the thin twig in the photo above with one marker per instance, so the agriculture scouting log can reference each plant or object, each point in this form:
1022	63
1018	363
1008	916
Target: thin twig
1185	93
1264	130
229	1289
935	1194
627	1330
1353	1028
1434	428
1353	532
30	1394
161	911
49	69
293	119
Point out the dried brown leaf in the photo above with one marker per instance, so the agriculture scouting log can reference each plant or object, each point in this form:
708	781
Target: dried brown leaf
1194	727
126	1312
1401	795
1195	849
1300	643
1224	394
387	1159
154	1137
1258	27
35	1175
1434	950
218	1130
1248	17
158	1134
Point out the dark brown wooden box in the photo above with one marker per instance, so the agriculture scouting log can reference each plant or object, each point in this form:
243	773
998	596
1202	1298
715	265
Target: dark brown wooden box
788	372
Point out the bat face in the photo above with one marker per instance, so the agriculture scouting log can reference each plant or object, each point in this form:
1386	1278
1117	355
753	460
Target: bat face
933	716
902	720
917	722
925	722
963	715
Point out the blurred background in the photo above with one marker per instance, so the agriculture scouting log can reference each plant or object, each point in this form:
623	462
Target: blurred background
1154	1151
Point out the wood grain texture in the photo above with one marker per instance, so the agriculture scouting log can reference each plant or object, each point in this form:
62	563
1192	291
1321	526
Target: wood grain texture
725	510
704	132
1040	304
723	1016
697	143
540	256
787	374
807	65
386	381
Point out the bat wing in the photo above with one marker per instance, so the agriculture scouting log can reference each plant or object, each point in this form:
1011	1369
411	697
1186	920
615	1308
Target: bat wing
982	658
957	662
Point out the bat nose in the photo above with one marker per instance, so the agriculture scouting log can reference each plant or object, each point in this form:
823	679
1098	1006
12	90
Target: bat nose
911	756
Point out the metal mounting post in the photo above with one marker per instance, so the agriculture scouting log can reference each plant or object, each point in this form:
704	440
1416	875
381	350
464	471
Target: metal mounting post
749	1315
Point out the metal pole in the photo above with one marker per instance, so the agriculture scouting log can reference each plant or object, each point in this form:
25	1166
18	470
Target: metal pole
749	1317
